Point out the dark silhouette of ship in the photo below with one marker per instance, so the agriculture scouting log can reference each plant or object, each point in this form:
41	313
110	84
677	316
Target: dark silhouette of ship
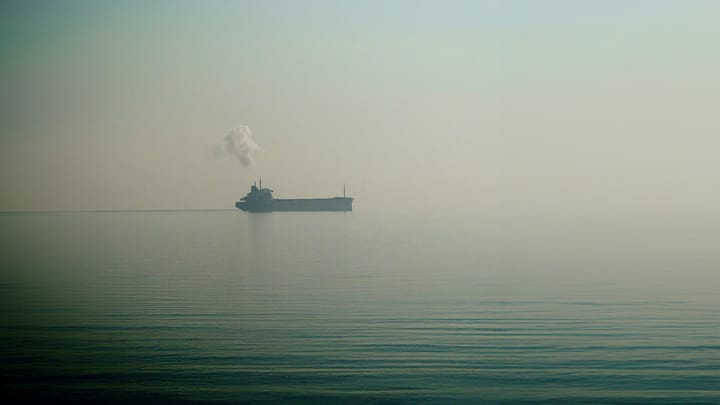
260	199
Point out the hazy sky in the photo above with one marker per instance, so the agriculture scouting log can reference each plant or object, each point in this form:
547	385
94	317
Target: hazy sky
468	105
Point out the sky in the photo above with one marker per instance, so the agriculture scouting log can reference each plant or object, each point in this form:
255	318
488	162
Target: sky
554	106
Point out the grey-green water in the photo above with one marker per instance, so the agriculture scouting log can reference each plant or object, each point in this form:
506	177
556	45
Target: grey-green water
358	307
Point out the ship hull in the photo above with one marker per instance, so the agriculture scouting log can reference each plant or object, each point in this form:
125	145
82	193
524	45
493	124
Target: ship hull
297	204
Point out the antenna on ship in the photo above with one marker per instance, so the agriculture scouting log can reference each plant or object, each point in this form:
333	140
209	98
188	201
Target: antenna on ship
343	190
260	183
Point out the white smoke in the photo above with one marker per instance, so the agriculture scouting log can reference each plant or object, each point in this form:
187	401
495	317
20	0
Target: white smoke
239	143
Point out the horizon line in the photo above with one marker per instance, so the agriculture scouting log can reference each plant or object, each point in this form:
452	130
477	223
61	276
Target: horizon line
57	211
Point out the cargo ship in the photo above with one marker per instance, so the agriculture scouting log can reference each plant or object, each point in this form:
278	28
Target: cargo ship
261	199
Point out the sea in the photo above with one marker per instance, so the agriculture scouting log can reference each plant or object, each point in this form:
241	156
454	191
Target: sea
362	307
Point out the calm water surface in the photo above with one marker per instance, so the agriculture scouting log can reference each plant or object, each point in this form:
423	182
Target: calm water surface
358	307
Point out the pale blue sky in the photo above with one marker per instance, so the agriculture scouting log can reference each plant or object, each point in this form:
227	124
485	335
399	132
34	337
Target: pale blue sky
513	105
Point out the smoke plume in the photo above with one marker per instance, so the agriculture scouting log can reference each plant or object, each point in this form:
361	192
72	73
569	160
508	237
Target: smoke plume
239	143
